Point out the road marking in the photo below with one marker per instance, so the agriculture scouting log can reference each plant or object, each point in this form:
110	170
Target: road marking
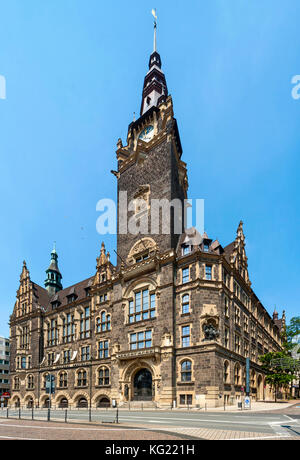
231	422
21	439
259	437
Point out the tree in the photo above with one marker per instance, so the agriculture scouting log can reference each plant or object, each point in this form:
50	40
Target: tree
279	368
292	332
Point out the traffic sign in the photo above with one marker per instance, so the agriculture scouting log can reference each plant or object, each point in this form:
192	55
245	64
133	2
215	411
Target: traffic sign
247	402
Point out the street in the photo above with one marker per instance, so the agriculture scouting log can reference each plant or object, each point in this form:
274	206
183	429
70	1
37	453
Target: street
277	424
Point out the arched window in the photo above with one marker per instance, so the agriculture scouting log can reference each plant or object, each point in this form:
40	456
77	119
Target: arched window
82	378
16	383
45	379
186	371
237	374
82	403
103	323
103	376
185	304
30	403
226	372
23	362
63	380
30	382
64	403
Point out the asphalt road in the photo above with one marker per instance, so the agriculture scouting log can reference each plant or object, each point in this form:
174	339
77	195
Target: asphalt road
287	421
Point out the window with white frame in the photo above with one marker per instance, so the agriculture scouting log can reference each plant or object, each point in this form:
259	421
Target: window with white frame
141	340
186	336
143	306
103	349
85	323
185	304
185	275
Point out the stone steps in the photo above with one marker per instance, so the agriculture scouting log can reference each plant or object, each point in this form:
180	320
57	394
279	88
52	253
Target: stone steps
139	405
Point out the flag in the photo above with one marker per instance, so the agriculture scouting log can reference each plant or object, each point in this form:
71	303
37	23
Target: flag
154	13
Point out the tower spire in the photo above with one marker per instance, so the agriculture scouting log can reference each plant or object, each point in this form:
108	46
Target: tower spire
54	277
155	86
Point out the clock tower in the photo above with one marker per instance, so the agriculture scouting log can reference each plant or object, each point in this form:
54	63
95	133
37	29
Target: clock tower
152	178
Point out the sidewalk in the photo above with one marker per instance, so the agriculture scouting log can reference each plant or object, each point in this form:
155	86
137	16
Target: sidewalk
255	407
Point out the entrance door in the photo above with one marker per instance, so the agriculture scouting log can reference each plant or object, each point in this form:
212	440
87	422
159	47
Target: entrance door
142	386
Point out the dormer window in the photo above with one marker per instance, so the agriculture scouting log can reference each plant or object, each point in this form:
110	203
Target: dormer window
55	305
206	247
148	100
185	249
71	298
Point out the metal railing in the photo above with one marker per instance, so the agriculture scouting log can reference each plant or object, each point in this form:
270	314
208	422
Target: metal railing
62	415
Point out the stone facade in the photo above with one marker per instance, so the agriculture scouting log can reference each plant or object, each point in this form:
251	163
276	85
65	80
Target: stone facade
171	323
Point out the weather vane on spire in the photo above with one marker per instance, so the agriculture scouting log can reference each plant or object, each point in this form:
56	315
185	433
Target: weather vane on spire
155	28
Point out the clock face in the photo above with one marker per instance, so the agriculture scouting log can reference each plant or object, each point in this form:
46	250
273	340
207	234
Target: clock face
147	134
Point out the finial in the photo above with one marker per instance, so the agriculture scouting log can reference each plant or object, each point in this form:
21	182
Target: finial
155	28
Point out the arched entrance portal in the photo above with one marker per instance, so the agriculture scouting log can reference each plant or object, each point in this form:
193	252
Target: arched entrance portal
142	386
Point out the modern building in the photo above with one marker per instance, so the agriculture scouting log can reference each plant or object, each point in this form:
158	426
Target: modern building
4	371
172	322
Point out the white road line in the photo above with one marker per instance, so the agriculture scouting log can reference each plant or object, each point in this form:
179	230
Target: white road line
20	439
260	437
231	422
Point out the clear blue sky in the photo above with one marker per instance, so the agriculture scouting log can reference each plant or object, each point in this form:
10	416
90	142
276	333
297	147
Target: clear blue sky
74	71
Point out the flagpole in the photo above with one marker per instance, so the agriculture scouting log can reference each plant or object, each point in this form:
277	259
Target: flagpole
155	29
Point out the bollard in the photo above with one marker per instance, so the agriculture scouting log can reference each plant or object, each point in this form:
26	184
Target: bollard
48	415
32	415
90	414
66	416
7	413
19	413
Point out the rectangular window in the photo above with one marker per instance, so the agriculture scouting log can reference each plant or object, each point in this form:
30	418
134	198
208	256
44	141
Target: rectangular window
237	344
208	272
246	323
206	247
185	304
103	349
85	324
226	337
185	275
68	329
141	340
67	356
142	307
85	353
185	249
226	307
237	315
185	336
186	400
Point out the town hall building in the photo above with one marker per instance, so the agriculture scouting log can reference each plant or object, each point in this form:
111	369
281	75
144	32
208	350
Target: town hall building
171	324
